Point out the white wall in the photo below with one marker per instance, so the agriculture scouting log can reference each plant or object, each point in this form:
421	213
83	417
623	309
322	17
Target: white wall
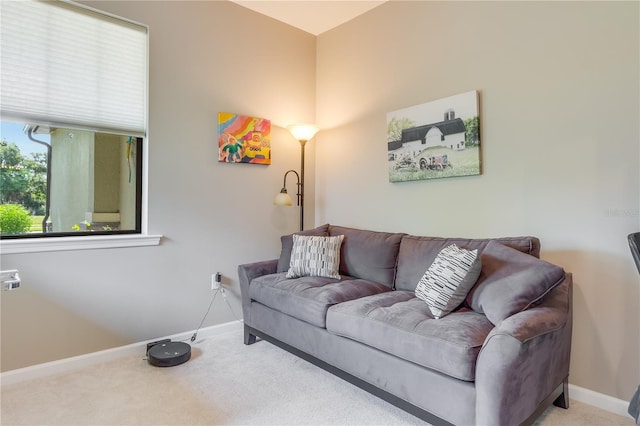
205	58
559	99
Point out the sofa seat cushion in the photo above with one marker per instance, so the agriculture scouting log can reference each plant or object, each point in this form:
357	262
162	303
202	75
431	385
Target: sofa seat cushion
400	324
308	298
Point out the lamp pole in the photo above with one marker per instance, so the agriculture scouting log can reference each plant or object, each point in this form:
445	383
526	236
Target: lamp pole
303	133
301	184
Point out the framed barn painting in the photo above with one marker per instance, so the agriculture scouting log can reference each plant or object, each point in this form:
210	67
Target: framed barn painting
243	139
435	140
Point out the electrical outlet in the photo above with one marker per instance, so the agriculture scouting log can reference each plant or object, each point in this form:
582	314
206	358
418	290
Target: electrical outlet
216	279
10	280
11	285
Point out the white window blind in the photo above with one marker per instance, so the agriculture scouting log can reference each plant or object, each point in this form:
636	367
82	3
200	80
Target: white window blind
65	65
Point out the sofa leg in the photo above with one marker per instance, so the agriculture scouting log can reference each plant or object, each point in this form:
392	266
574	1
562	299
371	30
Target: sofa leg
249	339
563	400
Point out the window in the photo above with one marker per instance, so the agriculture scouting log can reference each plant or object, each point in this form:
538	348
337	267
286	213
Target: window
73	105
68	182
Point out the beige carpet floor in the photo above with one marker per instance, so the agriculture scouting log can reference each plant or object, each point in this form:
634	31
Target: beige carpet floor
225	383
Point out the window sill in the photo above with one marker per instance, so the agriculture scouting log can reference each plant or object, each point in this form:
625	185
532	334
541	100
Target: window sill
77	243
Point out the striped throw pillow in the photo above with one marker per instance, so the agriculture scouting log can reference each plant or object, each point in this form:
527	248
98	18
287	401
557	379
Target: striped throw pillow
315	256
448	280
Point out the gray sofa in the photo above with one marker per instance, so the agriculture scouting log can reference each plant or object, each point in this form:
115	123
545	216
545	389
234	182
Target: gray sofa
500	358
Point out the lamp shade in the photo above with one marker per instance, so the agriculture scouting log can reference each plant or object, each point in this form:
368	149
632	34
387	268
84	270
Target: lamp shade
282	199
303	132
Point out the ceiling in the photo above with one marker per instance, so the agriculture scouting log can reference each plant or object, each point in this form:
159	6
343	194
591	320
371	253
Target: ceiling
312	16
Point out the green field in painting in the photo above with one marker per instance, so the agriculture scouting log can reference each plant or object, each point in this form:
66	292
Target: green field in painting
463	163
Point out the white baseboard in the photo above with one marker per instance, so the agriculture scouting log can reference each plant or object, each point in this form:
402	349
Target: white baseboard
600	400
74	363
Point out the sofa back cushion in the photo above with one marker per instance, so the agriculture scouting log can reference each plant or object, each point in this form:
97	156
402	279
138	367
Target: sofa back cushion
510	282
287	244
369	255
416	254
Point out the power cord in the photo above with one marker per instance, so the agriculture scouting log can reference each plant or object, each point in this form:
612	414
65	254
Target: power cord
195	334
219	290
224	295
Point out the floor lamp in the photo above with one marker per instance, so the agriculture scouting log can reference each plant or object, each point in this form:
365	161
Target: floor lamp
303	133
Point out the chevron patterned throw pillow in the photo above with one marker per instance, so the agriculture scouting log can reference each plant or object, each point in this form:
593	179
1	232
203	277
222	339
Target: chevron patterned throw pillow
448	280
315	256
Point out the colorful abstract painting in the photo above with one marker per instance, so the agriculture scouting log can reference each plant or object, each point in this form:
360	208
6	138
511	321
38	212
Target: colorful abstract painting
243	139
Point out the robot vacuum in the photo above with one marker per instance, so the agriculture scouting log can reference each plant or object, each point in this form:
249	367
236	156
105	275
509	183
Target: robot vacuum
168	354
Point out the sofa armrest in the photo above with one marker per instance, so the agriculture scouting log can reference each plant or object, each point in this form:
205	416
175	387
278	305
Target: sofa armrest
524	359
246	273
